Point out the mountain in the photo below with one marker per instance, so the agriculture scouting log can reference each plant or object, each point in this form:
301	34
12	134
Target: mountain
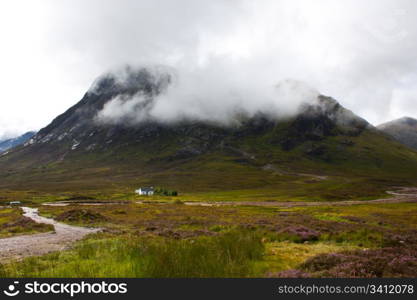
403	130
324	151
13	142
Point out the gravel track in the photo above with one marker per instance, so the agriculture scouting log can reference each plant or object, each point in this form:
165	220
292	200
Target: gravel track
41	243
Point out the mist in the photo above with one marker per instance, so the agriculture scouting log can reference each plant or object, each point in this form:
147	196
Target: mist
218	93
362	53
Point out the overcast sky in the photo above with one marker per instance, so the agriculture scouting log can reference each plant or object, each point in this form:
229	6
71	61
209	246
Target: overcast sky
363	53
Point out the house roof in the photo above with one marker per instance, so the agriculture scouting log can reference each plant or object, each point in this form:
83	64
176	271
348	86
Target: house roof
147	189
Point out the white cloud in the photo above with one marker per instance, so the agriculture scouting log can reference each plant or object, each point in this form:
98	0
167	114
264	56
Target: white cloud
218	92
363	53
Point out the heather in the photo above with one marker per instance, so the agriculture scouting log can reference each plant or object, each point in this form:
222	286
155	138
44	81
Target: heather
385	262
171	239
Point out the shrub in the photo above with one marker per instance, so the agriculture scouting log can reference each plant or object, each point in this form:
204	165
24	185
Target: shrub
385	262
165	192
81	215
299	234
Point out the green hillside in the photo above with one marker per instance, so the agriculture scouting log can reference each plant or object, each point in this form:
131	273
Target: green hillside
254	167
324	152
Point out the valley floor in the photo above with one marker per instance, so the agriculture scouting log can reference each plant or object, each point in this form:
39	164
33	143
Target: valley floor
155	239
404	195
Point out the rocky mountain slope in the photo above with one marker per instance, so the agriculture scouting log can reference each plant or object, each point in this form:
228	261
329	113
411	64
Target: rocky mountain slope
403	130
257	151
13	142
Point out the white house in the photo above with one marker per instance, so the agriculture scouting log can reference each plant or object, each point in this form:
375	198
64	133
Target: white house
147	191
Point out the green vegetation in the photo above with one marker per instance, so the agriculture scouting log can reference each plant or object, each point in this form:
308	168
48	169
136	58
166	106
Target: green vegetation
281	256
13	223
165	192
171	240
252	168
228	255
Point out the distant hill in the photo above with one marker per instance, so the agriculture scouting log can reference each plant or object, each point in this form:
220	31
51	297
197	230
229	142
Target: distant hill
256	153
13	142
403	130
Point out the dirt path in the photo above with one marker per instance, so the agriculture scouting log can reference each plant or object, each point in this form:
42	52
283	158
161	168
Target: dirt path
404	195
41	243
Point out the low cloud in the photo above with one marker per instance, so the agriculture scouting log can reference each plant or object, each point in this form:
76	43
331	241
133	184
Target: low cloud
207	94
362	53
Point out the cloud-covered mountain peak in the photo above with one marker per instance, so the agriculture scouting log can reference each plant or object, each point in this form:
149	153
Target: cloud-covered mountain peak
129	80
403	130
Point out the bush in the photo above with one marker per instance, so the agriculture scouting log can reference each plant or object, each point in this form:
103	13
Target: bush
384	262
81	215
299	234
165	192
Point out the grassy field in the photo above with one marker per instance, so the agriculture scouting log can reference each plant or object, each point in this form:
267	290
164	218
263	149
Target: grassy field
176	240
255	167
163	237
12	223
304	187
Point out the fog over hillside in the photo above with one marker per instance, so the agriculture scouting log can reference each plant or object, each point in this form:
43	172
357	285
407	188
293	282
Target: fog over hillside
200	95
403	130
229	52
